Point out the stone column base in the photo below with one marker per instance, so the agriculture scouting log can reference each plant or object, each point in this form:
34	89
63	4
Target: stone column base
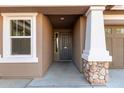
96	72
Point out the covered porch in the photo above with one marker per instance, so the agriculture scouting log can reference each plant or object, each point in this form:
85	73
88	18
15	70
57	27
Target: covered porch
86	50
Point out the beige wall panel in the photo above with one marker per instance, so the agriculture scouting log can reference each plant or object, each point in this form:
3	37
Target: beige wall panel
1	33
77	45
82	37
31	69
83	32
47	44
78	41
117	52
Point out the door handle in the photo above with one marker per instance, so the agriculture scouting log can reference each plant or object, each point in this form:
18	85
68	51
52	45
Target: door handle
65	47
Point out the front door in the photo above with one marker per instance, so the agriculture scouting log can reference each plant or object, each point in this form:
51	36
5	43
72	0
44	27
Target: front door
63	45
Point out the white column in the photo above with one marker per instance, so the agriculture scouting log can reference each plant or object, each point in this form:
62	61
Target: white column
95	45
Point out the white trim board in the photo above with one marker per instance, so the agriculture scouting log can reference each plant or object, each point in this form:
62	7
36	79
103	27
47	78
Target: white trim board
19	60
113	17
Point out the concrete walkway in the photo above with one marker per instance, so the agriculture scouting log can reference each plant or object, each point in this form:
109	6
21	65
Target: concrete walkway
64	74
116	78
14	83
61	74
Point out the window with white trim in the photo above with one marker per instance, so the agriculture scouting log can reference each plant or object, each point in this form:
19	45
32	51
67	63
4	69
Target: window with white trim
19	35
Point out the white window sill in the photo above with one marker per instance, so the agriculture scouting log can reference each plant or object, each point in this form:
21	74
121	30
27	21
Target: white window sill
19	60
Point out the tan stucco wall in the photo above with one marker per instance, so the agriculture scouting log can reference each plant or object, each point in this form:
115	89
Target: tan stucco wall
47	44
83	32
78	42
44	52
1	33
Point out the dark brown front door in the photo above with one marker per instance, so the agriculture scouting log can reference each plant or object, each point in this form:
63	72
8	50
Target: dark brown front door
65	45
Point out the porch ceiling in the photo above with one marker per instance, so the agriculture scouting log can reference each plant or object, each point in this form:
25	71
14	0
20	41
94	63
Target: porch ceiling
66	23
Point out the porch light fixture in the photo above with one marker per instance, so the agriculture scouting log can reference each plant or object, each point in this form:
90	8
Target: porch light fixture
62	18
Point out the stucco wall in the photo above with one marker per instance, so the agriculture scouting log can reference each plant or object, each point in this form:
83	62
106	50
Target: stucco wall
1	32
44	52
83	32
78	42
47	44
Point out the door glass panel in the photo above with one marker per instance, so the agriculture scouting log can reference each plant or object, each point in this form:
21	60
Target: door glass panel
118	31
108	30
57	42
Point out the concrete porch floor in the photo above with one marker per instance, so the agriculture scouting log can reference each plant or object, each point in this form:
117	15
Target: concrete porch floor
61	74
64	74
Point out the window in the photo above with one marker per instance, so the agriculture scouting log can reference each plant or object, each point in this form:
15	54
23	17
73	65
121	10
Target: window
19	35
108	30
118	30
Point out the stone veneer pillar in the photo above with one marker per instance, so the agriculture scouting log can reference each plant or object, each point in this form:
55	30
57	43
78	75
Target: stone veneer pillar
96	72
95	56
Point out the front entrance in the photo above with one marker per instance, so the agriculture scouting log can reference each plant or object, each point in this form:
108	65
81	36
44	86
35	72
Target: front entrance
115	45
63	45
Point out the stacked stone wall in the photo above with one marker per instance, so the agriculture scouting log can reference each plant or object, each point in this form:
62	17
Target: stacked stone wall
96	72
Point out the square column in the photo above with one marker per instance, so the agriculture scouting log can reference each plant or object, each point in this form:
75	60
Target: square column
95	56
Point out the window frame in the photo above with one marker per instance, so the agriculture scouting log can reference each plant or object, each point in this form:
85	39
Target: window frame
7	17
31	36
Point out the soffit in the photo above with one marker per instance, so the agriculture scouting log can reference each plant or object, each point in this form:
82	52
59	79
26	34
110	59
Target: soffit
48	10
67	23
